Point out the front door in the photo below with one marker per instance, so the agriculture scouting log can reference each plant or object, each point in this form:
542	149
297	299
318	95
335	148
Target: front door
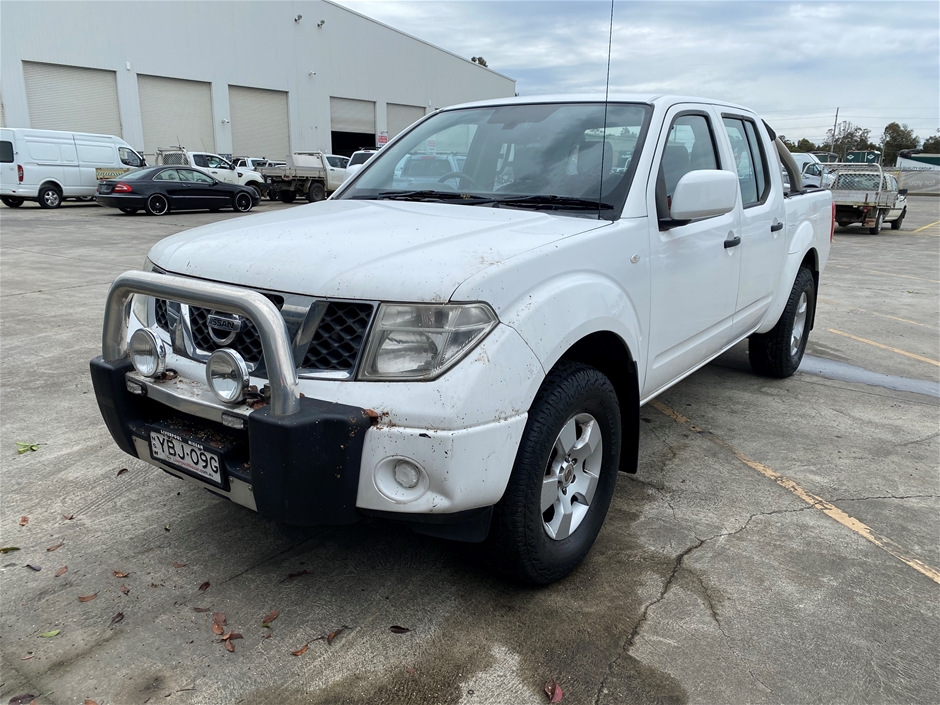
207	193
220	169
693	269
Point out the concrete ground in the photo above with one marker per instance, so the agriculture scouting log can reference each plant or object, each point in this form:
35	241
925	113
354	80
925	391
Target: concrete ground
778	545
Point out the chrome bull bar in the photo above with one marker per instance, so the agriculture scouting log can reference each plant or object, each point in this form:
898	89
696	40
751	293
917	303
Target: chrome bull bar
275	340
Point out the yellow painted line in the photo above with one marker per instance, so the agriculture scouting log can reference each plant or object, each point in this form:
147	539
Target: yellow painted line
929	225
827	508
887	274
885	347
874	313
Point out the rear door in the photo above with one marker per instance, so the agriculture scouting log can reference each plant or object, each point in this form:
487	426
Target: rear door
763	220
694	275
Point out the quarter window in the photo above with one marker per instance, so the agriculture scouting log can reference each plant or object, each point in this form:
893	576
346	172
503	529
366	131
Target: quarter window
748	159
6	152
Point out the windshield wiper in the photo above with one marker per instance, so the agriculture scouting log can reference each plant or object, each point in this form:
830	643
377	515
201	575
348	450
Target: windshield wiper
552	201
468	198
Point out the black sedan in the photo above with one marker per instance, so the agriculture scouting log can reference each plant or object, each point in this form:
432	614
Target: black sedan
160	189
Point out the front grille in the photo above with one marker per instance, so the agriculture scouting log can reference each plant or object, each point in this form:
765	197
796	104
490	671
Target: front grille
160	311
247	343
338	339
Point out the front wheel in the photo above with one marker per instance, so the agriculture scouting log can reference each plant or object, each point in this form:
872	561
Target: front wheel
242	202
157	204
778	352
879	219
11	201
896	224
563	478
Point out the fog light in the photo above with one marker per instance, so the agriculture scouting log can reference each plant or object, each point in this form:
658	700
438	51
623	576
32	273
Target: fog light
148	353
227	375
406	474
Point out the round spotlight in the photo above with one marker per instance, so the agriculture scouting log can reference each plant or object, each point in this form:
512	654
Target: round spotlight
148	353
227	375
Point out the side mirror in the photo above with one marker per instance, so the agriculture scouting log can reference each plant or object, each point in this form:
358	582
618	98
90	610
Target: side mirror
902	191
704	194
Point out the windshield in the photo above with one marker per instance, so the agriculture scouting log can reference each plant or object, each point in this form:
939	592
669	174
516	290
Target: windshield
551	155
359	158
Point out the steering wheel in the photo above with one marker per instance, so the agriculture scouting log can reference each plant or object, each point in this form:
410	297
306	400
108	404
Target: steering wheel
458	175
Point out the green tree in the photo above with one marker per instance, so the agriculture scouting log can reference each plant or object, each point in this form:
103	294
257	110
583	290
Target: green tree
932	145
479	60
894	139
804	145
848	138
788	144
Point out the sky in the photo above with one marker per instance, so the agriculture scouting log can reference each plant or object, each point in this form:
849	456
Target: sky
792	62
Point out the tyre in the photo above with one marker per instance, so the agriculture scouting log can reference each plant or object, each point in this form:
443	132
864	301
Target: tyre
49	197
157	204
778	352
287	196
316	192
562	480
256	187
896	224
879	219
242	202
272	194
129	211
11	201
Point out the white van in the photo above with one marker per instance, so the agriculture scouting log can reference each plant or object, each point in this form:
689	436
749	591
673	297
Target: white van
48	166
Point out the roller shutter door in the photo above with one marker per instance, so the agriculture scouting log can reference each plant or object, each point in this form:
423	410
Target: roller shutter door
348	115
72	98
259	122
401	116
175	112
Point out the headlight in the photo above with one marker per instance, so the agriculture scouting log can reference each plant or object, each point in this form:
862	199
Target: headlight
141	303
147	352
423	341
227	375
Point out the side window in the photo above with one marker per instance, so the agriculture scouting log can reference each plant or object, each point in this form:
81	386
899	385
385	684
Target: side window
214	162
200	178
748	158
689	147
128	157
200	160
6	152
167	175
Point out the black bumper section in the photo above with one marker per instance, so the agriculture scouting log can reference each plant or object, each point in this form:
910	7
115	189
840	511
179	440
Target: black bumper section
308	472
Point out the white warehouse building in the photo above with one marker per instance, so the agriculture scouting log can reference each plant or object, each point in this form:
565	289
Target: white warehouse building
235	78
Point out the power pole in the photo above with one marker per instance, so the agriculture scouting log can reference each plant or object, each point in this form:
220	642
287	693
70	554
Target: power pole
832	145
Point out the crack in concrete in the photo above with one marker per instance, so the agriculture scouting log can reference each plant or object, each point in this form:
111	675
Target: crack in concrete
885	496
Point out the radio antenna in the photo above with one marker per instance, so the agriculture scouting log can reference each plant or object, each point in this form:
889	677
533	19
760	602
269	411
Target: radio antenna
610	35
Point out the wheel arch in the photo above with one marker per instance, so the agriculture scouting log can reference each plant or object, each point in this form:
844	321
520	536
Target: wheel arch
811	262
50	182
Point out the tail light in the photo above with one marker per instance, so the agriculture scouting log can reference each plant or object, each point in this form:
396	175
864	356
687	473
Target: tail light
121	187
832	230
19	173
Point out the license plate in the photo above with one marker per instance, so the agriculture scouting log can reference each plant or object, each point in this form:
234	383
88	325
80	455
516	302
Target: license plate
174	451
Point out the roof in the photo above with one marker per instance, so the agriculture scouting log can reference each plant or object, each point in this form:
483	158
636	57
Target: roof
648	98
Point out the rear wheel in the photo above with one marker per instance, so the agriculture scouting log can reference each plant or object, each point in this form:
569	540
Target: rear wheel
158	204
563	478
316	192
879	219
242	202
129	211
896	224
778	352
50	197
11	201
287	196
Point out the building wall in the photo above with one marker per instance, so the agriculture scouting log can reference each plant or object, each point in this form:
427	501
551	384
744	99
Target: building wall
250	44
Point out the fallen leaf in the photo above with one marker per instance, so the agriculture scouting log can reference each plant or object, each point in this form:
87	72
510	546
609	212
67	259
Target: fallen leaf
24	521
234	636
333	634
88	598
126	590
205	585
117	619
267	636
121	472
218	617
217	628
227	635
291	576
25	447
119	574
22	699
395	629
411	670
9	549
166	528
61	571
301	651
268	618
88	701
27	657
200	609
179	565
49	635
229	646
68	517
553	691
56	547
37	568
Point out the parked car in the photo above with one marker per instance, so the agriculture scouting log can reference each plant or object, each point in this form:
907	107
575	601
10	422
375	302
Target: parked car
251	163
49	166
308	174
898	212
160	189
212	164
357	160
470	360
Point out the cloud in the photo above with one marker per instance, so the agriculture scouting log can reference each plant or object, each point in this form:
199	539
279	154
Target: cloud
792	62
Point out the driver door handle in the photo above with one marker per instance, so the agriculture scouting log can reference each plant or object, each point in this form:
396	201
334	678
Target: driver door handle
775	227
732	242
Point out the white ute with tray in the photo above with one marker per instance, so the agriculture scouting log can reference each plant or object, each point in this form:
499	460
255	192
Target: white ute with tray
469	357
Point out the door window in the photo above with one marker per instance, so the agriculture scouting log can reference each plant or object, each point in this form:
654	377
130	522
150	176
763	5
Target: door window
200	160
748	159
689	147
167	175
6	152
214	162
129	157
198	177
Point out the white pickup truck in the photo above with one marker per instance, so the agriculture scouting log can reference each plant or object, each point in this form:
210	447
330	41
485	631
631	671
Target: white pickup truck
469	357
214	165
